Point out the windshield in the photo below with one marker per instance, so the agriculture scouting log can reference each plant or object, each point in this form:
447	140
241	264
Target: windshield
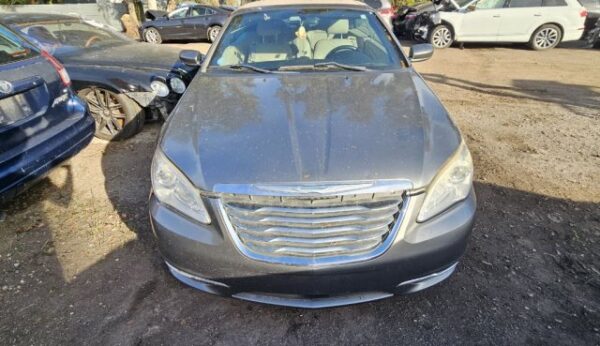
12	48
67	36
294	39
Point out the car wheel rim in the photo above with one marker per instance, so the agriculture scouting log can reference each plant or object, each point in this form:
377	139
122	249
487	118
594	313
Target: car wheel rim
151	36
107	111
442	37
546	38
214	32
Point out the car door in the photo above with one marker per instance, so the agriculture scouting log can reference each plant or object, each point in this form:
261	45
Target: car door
197	22
172	26
481	21
519	20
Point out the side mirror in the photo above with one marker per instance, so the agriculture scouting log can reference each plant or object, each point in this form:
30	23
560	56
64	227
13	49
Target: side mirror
420	52
471	7
191	57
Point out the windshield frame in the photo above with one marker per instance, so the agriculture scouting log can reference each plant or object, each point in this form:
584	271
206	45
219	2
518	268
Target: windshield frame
403	59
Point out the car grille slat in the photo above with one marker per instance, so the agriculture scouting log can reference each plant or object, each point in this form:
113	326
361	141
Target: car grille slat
311	230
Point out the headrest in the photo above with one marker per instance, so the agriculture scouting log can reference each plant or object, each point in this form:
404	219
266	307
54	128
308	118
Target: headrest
269	28
340	26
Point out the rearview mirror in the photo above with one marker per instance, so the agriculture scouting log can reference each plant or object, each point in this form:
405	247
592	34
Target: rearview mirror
191	57
420	52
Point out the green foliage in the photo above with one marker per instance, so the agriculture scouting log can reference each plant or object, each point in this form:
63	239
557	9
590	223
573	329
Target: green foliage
399	3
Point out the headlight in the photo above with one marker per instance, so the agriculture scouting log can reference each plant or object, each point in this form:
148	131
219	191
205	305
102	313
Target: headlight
172	188
177	85
159	88
452	184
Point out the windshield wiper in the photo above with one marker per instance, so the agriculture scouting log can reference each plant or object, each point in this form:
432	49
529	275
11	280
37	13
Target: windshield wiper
240	67
342	66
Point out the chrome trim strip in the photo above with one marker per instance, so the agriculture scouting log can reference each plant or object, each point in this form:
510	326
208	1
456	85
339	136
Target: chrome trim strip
424	282
178	272
308	261
316	189
313	303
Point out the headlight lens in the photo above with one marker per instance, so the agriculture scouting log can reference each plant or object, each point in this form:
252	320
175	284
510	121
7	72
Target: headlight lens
172	188
159	88
452	184
177	85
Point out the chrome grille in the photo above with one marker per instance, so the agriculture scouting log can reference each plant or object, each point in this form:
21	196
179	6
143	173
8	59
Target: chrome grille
313	230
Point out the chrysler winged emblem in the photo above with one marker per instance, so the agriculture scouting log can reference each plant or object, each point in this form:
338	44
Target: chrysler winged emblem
6	87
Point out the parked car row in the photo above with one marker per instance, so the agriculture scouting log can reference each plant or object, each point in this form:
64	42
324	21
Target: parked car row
124	82
306	164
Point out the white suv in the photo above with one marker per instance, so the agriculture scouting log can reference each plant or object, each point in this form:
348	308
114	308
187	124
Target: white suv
542	23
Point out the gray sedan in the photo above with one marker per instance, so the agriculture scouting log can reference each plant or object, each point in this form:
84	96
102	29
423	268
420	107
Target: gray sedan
309	165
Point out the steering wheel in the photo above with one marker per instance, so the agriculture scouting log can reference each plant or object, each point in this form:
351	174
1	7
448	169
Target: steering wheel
91	40
341	49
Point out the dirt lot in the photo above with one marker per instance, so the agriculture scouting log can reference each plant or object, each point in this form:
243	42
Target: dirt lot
78	263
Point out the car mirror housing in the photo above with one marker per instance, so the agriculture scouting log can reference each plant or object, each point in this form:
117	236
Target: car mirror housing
191	57
420	52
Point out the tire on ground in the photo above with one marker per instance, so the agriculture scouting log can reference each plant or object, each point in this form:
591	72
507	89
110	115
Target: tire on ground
134	116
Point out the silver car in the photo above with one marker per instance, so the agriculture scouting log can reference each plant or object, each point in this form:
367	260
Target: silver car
309	165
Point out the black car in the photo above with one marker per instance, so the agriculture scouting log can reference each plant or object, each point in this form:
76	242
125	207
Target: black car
591	33
42	122
123	81
193	22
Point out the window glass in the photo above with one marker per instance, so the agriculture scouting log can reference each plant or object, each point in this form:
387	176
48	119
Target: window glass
525	3
197	11
554	3
12	48
591	4
71	36
489	4
298	38
180	13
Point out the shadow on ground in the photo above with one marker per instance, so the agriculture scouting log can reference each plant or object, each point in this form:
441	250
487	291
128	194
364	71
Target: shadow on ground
582	100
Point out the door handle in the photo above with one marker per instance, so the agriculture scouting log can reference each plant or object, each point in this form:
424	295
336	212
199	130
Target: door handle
497	16
537	15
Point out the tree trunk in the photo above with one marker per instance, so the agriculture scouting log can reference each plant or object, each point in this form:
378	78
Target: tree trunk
152	5
132	12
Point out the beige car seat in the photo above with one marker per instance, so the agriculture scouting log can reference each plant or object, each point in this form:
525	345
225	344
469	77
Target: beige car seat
303	47
337	37
270	44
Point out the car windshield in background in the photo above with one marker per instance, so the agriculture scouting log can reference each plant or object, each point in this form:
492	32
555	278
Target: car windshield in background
295	39
12	48
66	36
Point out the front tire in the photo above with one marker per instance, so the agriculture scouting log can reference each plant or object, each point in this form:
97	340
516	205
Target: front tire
213	33
441	37
151	35
117	116
545	37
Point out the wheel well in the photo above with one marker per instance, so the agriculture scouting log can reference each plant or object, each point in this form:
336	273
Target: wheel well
443	22
562	30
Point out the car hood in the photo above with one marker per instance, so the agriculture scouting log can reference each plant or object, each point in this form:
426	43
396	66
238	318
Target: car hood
309	127
136	56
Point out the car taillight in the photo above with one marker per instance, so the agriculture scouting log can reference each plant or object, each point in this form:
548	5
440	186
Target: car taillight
60	69
583	13
386	11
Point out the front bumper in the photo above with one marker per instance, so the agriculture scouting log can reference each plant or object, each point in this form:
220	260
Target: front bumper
204	257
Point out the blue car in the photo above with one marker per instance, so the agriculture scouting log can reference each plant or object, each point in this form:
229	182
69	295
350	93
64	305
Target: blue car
42	123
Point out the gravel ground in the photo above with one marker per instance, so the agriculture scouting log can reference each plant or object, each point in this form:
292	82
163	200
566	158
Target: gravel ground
78	264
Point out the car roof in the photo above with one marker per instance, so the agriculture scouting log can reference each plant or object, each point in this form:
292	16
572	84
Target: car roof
333	3
31	18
